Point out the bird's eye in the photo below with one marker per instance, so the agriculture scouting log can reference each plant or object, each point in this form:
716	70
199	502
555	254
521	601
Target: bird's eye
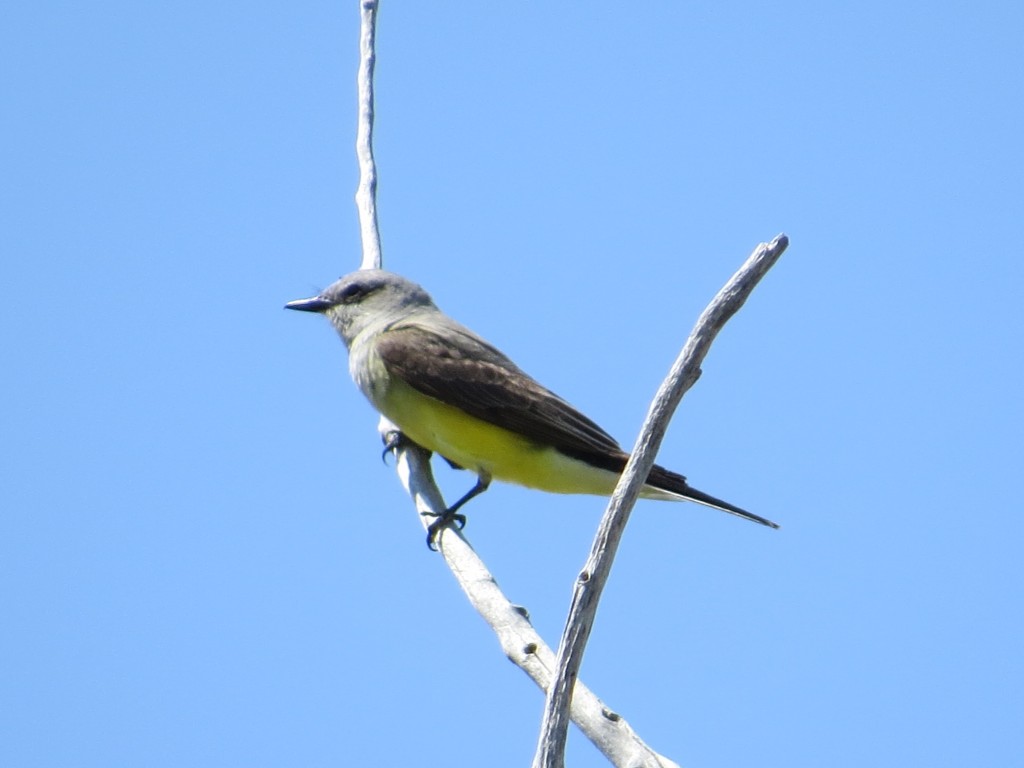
352	291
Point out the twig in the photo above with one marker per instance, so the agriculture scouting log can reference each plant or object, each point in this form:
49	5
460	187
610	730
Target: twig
591	580
366	194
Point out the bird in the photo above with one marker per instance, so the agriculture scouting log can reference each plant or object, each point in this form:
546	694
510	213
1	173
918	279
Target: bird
455	394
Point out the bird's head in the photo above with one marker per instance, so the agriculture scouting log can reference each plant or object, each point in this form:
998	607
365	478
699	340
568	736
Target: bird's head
369	298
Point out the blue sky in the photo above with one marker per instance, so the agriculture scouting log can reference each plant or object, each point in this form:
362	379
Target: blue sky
204	562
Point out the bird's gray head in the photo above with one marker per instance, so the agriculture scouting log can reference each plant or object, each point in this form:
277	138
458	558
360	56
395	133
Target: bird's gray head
364	299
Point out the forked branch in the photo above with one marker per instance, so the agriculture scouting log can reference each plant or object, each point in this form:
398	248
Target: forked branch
567	699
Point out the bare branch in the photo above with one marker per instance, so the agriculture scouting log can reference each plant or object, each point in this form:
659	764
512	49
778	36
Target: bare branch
523	646
521	643
366	195
591	580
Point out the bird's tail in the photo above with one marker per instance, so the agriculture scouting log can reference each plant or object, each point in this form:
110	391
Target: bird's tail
675	485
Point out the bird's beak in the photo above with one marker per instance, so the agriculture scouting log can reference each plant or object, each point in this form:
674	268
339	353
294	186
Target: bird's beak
314	304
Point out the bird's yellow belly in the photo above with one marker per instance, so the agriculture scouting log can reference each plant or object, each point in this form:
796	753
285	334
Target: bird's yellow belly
486	449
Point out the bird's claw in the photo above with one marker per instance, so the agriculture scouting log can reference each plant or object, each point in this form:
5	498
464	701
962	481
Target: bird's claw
393	440
445	519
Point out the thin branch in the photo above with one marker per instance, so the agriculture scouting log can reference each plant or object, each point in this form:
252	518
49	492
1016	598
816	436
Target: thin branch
366	194
521	643
590	583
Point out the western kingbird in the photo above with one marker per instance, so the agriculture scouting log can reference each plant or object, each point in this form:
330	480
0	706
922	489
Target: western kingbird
451	392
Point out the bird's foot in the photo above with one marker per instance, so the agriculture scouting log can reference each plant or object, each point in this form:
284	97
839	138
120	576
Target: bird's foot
393	440
445	519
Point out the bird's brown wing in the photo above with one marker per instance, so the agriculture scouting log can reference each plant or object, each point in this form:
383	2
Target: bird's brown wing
462	370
